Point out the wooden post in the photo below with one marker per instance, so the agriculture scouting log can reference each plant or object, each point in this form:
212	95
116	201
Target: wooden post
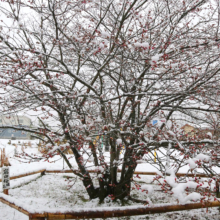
40	218
217	188
34	217
1	157
5	191
43	172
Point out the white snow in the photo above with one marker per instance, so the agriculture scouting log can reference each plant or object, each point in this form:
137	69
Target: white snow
88	139
191	163
118	141
141	44
148	188
209	134
179	192
155	58
192	196
98	120
203	157
171	133
141	133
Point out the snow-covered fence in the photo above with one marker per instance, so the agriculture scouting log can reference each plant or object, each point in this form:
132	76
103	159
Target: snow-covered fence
108	212
202	175
42	171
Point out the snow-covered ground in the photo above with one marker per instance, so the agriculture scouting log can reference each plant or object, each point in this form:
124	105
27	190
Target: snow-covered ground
65	192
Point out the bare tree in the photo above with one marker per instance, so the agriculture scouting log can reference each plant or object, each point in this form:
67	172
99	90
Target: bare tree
109	68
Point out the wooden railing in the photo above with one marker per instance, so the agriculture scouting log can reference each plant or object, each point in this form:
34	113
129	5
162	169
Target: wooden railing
105	212
136	172
27	174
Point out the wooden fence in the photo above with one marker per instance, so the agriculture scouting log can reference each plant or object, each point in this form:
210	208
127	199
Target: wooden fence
43	171
27	174
202	175
105	212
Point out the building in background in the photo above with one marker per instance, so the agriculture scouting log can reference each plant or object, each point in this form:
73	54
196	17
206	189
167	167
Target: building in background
202	132
188	130
16	121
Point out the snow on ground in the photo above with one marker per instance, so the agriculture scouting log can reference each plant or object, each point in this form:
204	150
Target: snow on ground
8	213
63	191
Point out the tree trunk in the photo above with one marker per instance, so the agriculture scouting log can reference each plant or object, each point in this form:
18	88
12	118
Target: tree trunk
122	190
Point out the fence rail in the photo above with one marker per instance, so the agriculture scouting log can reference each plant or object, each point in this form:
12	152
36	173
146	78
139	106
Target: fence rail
106	212
27	174
42	171
136	172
